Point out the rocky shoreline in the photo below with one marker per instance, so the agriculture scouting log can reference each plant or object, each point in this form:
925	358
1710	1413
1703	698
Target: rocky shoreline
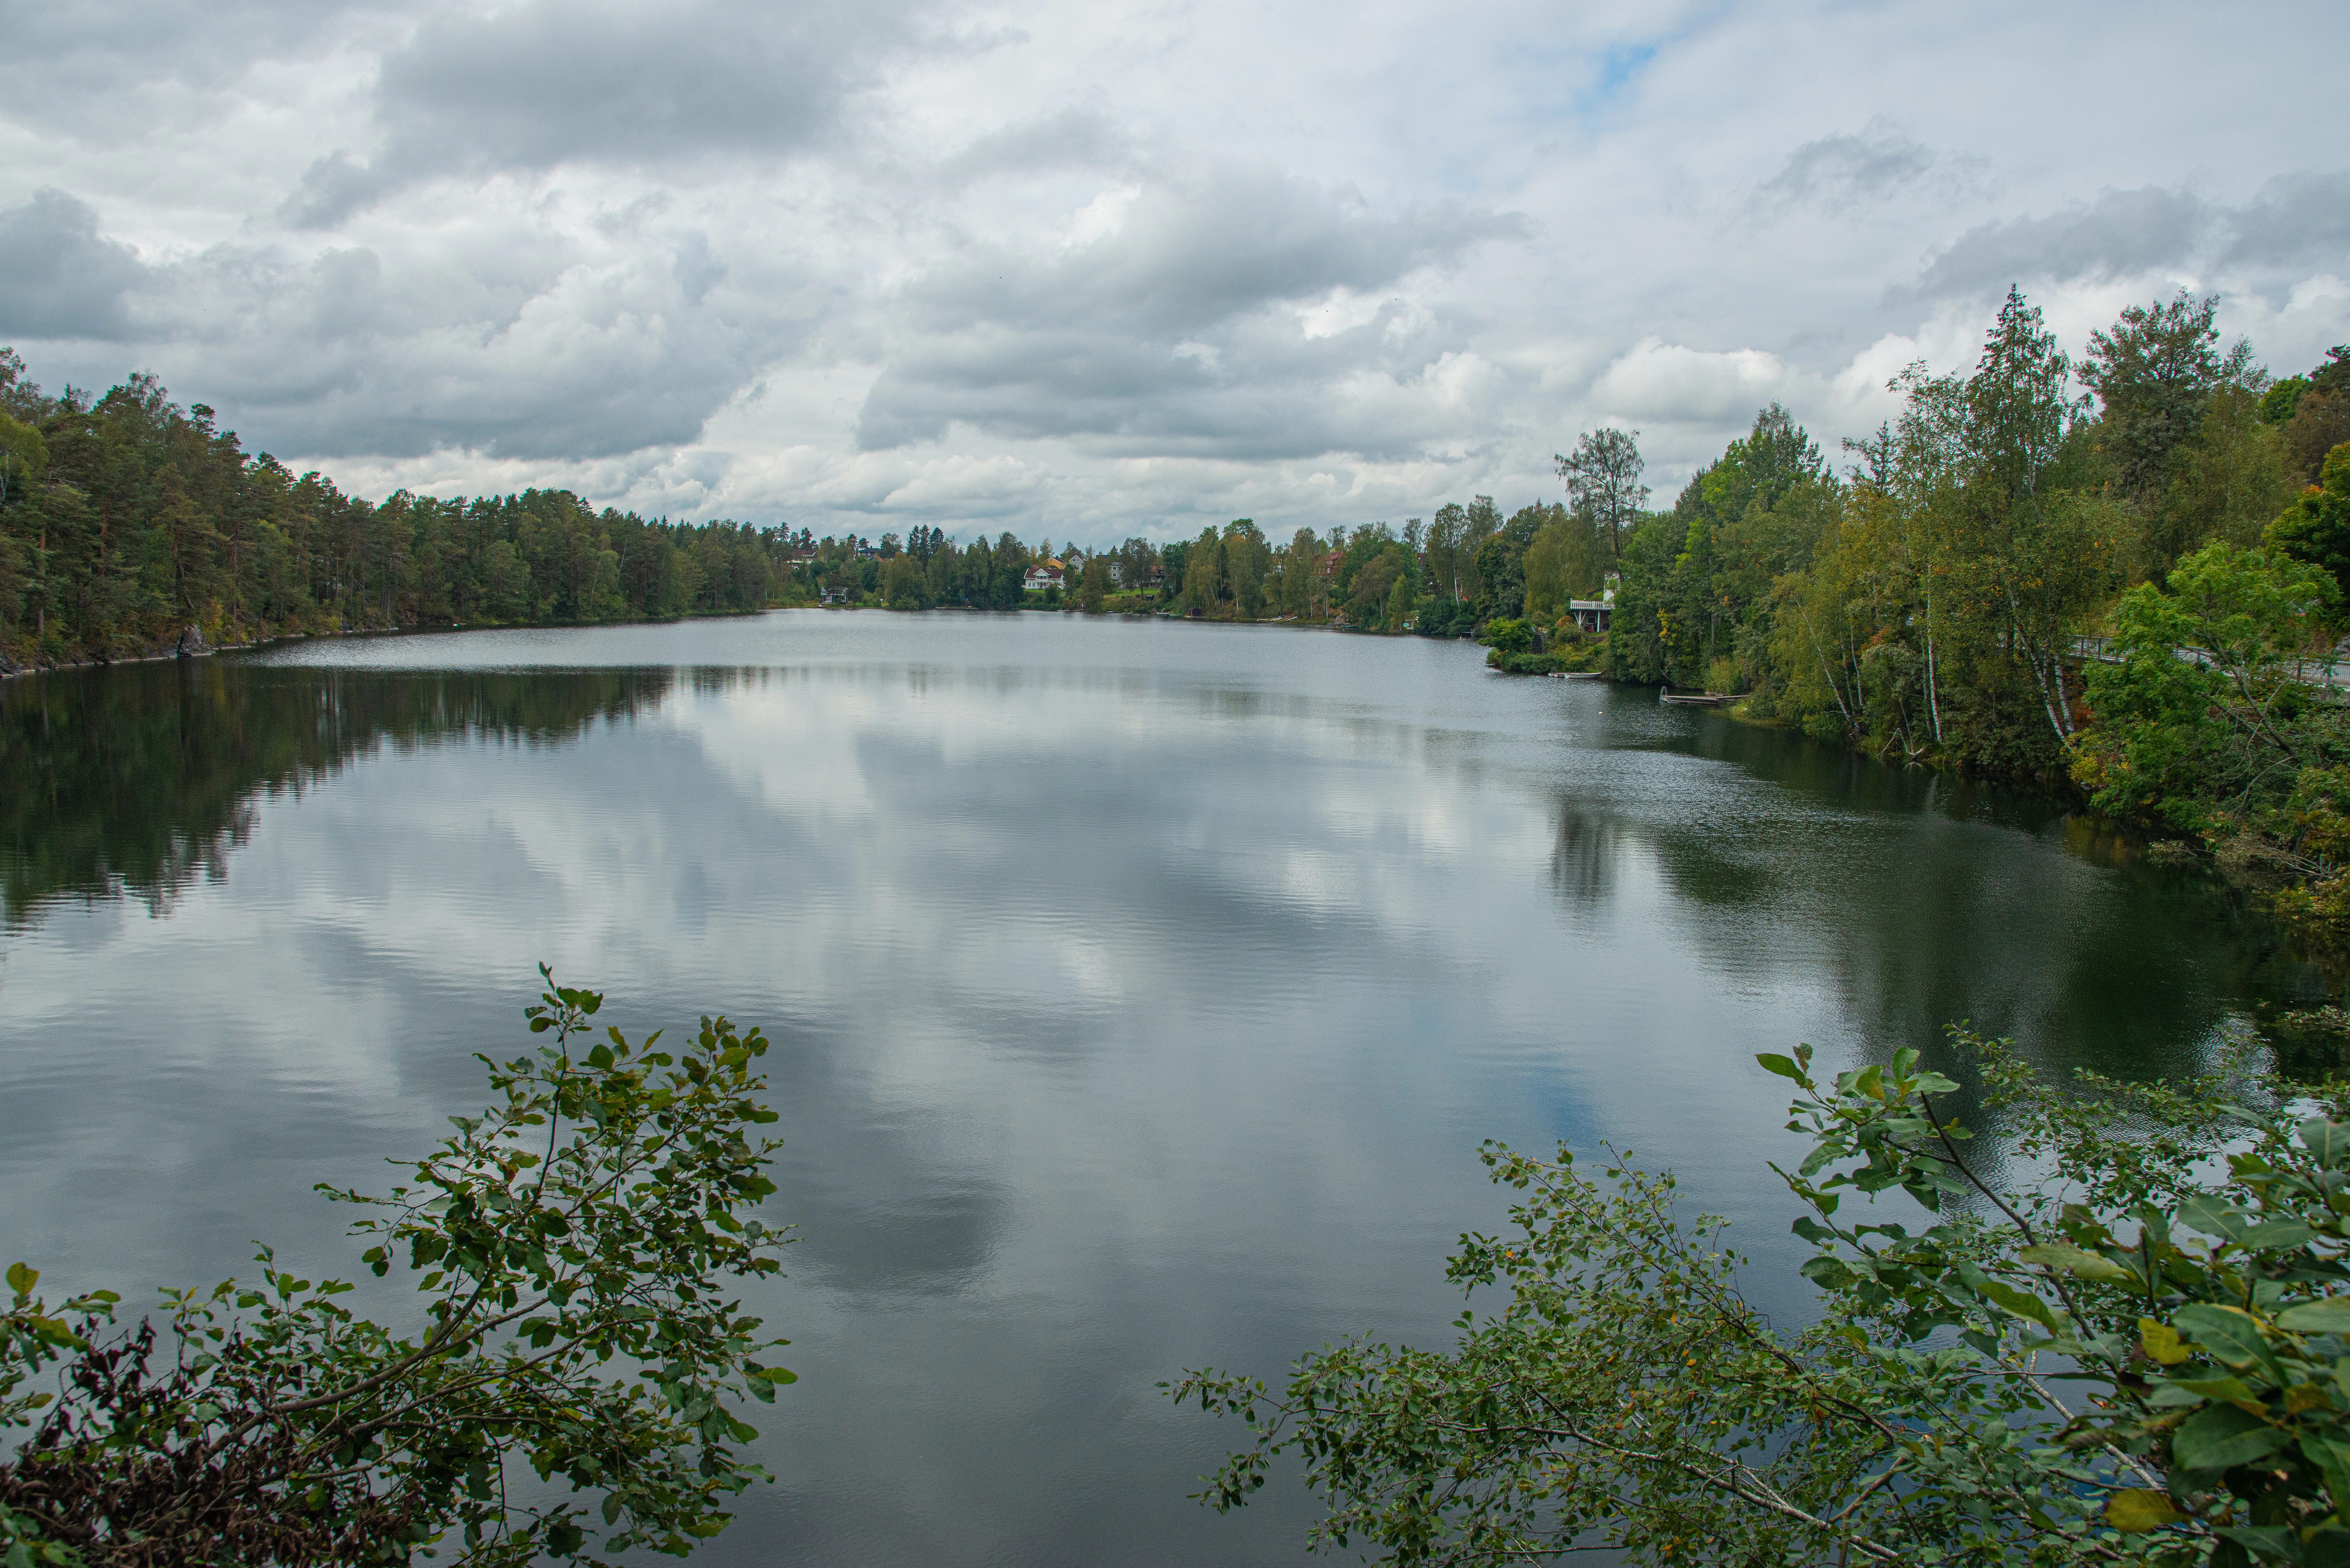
189	644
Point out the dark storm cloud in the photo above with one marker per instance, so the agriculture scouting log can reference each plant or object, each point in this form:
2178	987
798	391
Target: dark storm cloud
1169	330
58	279
526	353
2121	231
1260	392
2297	219
2301	217
1183	259
1073	139
1847	169
74	62
352	357
543	83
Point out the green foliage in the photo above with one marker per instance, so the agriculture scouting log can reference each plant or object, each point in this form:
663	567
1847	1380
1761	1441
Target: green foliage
2210	725
1403	598
2317	527
2138	1355
2203	721
1705	584
1505	635
2319	424
905	584
1564	660
1566	559
1639	635
2282	398
1445	618
1093	590
1387	580
568	1245
1928	604
1501	575
1204	579
24	455
1602	481
125	520
2156	372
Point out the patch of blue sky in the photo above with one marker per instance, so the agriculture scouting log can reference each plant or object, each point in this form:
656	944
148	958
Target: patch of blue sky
1618	67
1544	78
1570	85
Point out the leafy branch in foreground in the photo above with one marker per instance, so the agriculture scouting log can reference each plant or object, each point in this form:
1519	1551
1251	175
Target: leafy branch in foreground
2139	1355
574	1338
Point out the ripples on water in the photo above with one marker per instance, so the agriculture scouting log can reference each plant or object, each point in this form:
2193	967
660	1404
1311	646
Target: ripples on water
1140	992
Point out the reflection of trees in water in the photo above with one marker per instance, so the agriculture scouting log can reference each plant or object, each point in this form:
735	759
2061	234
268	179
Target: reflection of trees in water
1917	902
1583	858
142	778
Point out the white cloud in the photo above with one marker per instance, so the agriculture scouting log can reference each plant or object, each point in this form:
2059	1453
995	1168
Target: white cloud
1678	385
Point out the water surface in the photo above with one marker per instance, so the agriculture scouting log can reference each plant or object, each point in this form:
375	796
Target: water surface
1140	991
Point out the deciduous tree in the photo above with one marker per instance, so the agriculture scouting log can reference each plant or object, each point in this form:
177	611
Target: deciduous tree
572	1246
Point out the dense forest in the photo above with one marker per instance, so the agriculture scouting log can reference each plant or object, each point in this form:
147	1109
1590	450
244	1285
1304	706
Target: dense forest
126	519
1930	598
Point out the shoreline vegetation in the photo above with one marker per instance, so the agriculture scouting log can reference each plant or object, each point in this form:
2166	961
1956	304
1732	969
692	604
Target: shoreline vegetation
2109	575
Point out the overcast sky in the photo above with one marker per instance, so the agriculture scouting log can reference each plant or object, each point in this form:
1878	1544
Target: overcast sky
1082	270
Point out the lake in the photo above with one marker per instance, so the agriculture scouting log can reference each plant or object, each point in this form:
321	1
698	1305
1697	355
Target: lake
1140	991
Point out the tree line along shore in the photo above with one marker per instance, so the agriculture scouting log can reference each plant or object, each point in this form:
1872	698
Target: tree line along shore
2003	579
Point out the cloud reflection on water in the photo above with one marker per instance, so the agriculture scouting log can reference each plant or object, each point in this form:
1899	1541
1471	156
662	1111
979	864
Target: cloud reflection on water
1139	993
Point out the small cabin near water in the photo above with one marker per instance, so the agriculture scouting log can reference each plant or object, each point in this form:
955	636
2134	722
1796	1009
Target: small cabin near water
1592	616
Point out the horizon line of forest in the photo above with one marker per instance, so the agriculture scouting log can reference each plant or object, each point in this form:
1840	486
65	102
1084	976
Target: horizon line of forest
125	518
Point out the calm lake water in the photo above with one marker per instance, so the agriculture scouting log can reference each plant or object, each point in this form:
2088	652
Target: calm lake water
1140	991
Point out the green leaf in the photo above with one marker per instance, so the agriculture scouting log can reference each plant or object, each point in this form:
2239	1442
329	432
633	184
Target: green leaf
2079	1262
2161	1342
2329	1141
2272	1540
2136	1509
22	1278
2213	1217
1771	1061
2276	1235
2327	1547
2329	1315
2221	1437
2023	1303
2231	1336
